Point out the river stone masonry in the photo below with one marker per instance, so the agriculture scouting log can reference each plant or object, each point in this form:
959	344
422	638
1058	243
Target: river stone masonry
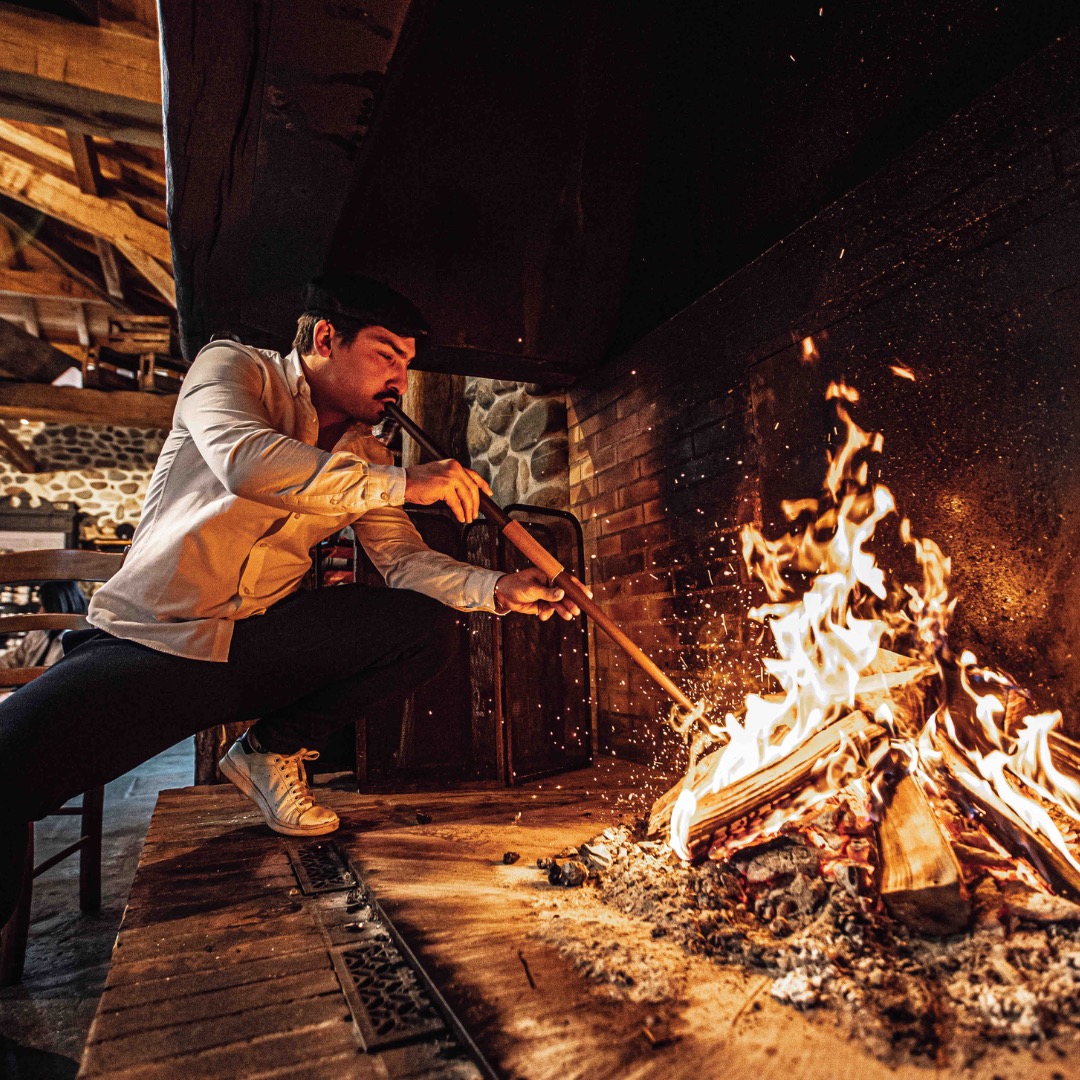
103	470
517	441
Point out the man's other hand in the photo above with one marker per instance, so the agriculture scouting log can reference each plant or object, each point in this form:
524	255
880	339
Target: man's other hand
449	482
530	592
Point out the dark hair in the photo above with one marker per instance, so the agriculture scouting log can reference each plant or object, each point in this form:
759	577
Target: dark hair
347	329
63	597
352	302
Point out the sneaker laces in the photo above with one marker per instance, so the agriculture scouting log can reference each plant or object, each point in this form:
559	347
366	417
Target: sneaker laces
296	775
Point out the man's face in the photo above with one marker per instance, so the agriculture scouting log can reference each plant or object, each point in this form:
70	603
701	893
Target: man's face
359	378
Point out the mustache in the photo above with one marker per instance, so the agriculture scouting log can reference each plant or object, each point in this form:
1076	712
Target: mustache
388	395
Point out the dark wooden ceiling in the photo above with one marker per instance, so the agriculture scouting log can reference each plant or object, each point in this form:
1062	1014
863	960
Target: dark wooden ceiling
547	180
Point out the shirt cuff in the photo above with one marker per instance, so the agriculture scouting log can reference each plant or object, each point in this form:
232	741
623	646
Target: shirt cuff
388	484
480	590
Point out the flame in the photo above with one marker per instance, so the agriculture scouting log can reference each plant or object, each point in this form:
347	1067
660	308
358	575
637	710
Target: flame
827	639
902	372
809	351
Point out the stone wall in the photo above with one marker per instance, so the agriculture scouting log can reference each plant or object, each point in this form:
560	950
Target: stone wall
517	439
103	470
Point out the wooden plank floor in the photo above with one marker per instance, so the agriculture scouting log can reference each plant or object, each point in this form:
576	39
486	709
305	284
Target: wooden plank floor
222	968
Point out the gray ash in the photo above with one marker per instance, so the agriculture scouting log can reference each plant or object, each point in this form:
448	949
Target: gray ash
788	910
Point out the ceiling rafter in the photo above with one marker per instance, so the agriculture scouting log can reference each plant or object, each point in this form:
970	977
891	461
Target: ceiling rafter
110	219
82	194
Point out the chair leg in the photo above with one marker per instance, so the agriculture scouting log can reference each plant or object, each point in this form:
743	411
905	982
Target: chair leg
15	932
90	855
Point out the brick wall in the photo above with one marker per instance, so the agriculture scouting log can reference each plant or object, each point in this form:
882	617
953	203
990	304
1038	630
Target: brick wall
959	261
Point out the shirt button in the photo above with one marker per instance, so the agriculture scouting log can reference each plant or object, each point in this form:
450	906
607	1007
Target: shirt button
335	499
383	497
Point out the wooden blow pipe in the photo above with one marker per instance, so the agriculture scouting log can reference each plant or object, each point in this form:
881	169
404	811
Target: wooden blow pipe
556	573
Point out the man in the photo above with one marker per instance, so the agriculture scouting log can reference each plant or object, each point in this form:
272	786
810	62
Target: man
206	623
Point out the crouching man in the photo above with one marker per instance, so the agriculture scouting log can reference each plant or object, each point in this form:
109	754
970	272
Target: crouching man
206	624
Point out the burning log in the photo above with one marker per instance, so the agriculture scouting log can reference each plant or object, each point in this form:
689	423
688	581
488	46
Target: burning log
920	879
789	775
1009	828
899	682
893	679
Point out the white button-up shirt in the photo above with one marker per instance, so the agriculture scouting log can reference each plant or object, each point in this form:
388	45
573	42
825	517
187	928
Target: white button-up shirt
241	494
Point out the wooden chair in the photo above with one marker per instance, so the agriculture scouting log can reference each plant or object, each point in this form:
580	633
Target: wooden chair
34	567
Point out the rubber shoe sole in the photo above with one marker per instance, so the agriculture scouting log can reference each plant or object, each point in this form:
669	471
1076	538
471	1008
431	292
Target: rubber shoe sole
242	783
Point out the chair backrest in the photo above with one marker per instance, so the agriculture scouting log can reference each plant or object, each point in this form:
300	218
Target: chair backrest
50	564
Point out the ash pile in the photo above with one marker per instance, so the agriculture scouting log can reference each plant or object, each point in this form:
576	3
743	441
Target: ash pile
802	909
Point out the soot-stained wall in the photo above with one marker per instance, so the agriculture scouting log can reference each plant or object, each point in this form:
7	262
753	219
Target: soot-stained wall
960	262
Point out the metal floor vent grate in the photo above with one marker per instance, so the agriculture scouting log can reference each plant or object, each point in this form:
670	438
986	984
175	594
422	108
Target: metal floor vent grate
388	1003
399	1016
321	866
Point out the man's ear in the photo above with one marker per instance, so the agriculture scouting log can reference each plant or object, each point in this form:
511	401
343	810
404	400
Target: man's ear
322	336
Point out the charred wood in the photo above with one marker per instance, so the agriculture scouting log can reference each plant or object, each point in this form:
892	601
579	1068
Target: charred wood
1055	868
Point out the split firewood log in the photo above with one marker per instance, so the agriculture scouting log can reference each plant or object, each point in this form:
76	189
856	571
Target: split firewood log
789	775
1008	827
920	879
899	681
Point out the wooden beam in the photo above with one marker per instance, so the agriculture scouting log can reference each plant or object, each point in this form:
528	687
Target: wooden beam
30	317
16	453
51	104
114	158
920	879
85	57
45	285
110	219
88	173
82	328
24	356
110	268
30	143
28	236
150	269
68	405
85	160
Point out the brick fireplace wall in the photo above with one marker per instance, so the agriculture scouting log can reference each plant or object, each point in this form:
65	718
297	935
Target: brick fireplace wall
959	261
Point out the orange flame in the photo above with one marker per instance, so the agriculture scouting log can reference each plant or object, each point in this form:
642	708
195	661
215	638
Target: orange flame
826	642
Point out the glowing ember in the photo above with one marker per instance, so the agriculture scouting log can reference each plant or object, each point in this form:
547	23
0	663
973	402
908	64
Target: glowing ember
828	637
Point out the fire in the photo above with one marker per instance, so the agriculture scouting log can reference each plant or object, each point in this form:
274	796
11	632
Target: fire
828	640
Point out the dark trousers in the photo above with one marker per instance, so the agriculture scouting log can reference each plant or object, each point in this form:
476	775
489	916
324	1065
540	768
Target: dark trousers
303	669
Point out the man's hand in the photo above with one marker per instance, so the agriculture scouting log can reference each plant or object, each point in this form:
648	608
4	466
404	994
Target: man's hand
530	592
449	482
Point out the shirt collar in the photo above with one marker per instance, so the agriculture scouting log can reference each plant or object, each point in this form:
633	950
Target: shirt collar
294	372
357	437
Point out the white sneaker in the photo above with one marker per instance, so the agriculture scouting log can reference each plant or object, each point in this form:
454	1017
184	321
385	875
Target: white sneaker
277	784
